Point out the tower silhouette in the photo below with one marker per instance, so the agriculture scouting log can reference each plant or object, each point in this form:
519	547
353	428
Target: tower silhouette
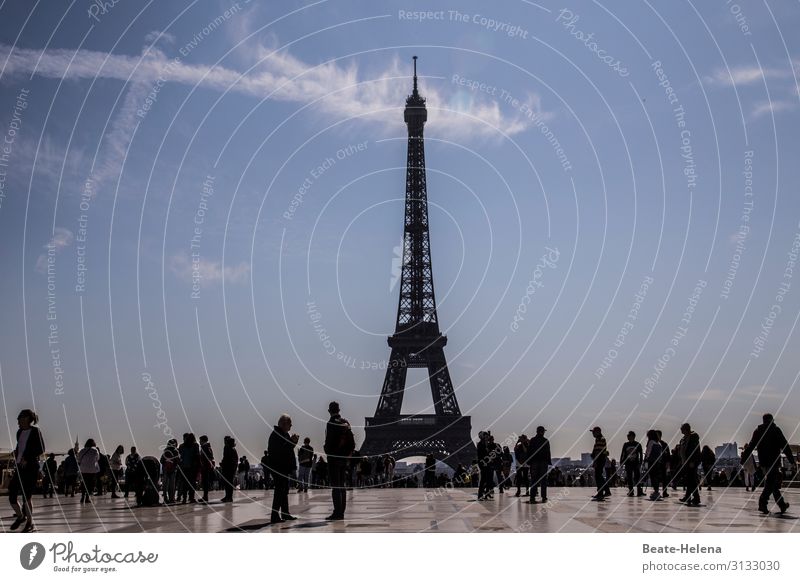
417	341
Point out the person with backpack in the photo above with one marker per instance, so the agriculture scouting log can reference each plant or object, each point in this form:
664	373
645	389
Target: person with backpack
653	457
339	446
169	470
282	463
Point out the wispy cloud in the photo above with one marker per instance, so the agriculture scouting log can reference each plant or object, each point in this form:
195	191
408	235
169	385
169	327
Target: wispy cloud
61	239
207	272
746	75
770	107
336	89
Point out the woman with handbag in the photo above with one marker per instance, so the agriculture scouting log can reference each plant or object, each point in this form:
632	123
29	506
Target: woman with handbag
30	446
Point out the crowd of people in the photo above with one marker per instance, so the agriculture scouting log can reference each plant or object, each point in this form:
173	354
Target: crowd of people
188	471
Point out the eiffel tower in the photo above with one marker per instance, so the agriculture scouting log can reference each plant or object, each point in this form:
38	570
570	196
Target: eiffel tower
417	341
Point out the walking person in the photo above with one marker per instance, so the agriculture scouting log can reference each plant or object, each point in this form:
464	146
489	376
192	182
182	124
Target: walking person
227	467
281	464
768	440
89	463
131	467
631	459
30	446
522	476
206	466
339	446
748	468
507	460
539	461
116	470
305	460
690	460
654	458
169	469
599	457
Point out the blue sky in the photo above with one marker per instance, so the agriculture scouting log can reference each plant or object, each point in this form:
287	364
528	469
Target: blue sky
206	199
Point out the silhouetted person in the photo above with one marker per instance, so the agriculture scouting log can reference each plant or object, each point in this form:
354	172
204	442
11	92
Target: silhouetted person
49	476
282	463
71	472
170	459
305	461
131	467
206	466
654	458
227	467
265	468
599	457
30	446
769	442
339	446
429	479
748	468
539	461
690	460
631	458
707	460
116	470
486	480
523	471
189	467
665	463
89	462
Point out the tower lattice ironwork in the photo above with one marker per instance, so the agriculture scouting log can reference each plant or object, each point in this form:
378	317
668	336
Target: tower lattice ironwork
417	341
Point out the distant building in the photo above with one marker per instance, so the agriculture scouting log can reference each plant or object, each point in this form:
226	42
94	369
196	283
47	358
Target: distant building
727	451
561	461
586	459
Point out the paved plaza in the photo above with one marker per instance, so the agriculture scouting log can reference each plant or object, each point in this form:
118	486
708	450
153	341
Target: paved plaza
420	510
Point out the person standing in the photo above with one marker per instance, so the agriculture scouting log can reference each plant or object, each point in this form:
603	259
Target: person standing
486	478
169	469
49	476
539	461
206	466
71	472
227	467
690	460
768	440
522	475
131	467
653	456
30	446
339	446
305	460
188	468
89	463
631	459
708	459
116	470
282	463
599	457
748	468
666	464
